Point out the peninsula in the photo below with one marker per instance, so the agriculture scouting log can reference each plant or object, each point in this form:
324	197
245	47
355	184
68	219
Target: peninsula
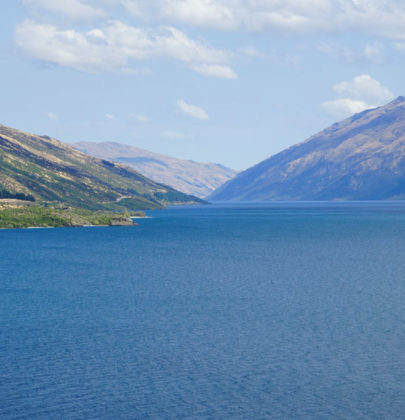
22	214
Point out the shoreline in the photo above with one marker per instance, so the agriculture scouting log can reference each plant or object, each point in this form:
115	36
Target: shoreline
47	217
64	227
78	226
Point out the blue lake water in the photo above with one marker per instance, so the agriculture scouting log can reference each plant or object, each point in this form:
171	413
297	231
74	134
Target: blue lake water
282	310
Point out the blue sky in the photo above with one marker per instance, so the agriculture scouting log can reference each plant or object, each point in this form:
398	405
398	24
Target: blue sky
226	81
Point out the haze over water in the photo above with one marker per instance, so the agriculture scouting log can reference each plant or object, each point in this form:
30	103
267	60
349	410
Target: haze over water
283	310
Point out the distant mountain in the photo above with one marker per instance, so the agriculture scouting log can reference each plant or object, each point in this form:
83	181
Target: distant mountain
360	158
44	169
199	179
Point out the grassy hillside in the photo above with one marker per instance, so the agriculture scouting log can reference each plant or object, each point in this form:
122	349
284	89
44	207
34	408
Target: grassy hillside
47	170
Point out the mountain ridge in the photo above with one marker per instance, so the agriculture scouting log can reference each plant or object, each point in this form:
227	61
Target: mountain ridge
48	170
359	158
195	178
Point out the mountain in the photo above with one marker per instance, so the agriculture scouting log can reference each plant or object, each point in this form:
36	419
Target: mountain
360	158
199	179
43	169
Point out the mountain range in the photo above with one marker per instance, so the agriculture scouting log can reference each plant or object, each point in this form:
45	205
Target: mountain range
359	158
199	179
43	169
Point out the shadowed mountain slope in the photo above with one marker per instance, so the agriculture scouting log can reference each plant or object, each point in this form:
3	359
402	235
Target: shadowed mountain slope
199	179
360	158
47	170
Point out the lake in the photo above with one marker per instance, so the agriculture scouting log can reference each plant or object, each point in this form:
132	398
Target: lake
249	311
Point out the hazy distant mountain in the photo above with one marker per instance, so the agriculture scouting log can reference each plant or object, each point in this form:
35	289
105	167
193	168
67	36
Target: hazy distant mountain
199	179
44	169
360	158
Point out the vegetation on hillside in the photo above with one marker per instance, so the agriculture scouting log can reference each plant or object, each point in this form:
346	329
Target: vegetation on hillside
16	196
22	216
45	170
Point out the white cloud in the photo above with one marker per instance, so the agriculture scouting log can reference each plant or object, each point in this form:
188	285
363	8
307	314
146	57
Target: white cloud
192	110
363	92
344	107
176	135
373	52
377	17
73	9
199	13
400	46
215	70
51	115
364	87
116	46
138	117
382	18
109	117
233	14
251	52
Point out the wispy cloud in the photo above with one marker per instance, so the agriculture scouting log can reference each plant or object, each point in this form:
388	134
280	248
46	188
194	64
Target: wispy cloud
251	52
109	117
336	51
382	18
374	52
378	17
400	46
191	110
51	115
176	135
208	13
138	117
215	70
356	95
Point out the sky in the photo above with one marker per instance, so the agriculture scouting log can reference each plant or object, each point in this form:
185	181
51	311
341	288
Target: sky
227	81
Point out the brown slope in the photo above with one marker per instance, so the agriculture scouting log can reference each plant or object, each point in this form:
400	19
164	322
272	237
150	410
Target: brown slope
360	158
